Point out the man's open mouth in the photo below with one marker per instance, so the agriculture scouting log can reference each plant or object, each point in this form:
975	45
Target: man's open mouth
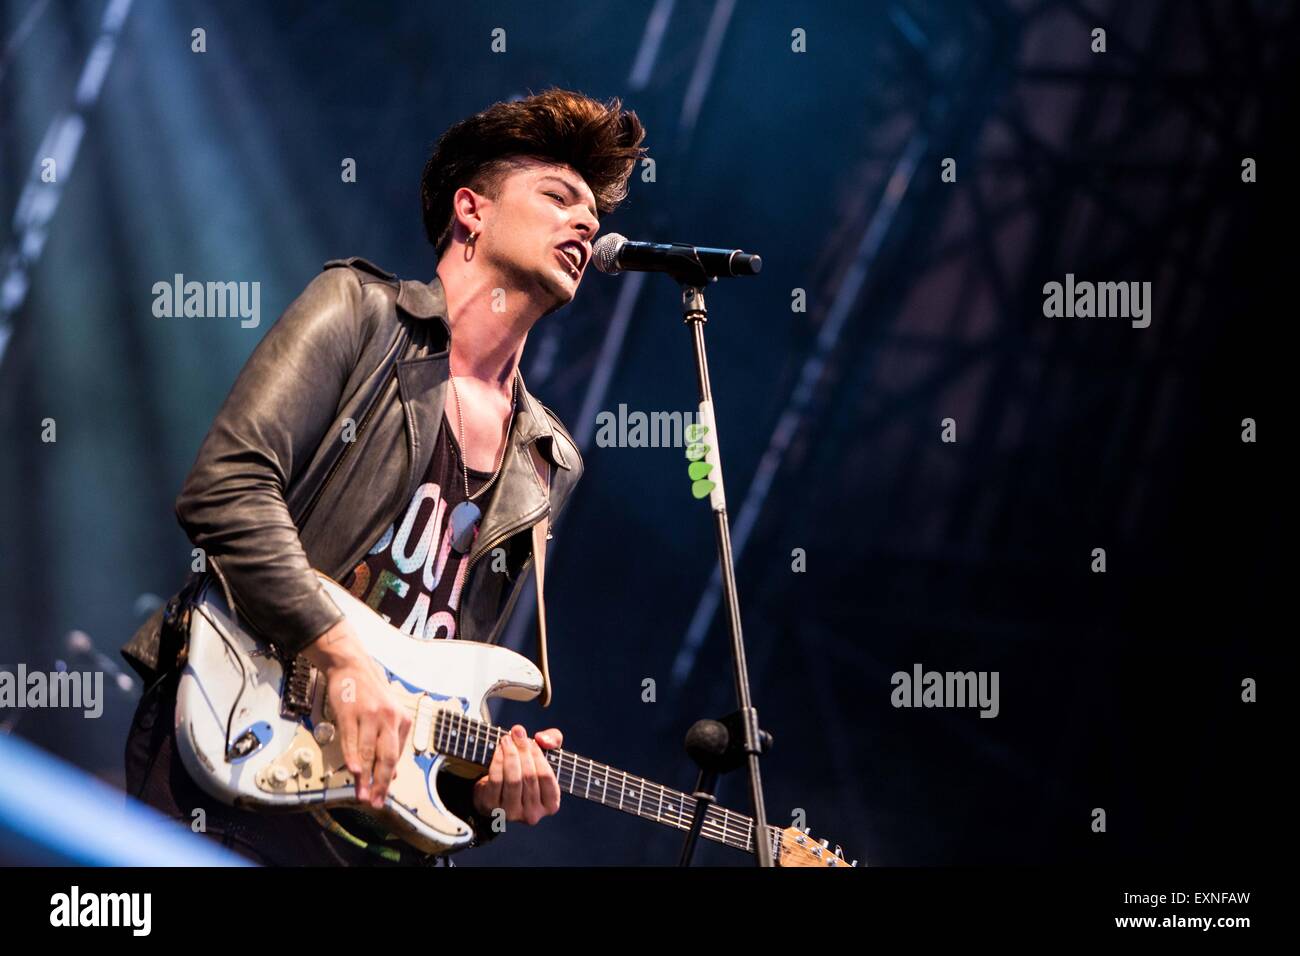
573	254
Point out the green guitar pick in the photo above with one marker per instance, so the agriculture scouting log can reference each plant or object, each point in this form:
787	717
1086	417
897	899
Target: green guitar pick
695	451
701	489
699	469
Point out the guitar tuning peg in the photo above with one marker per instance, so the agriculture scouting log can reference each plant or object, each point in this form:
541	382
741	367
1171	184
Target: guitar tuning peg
826	844
839	851
854	863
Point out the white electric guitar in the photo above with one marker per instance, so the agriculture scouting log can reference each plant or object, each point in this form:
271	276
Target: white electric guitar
256	733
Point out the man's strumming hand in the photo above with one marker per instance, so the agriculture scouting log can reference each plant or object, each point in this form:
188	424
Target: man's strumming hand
368	715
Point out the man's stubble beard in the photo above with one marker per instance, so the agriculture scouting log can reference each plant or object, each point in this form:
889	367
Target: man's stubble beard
517	277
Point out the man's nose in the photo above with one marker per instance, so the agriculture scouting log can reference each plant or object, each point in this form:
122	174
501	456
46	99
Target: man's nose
586	224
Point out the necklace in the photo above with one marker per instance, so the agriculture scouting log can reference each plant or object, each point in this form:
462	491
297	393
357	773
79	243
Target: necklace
465	516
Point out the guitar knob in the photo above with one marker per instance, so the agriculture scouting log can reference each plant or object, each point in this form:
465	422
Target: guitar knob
302	757
323	732
279	776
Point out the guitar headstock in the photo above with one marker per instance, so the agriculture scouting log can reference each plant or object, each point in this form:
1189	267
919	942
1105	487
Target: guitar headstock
800	849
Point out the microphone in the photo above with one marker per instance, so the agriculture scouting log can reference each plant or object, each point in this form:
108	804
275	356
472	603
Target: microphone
696	264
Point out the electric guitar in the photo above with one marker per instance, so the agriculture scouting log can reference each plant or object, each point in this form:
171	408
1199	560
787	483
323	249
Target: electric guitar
257	732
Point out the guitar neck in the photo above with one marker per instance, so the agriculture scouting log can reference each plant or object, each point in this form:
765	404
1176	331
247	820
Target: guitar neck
474	741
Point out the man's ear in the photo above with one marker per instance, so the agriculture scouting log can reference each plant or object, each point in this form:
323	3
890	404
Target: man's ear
467	208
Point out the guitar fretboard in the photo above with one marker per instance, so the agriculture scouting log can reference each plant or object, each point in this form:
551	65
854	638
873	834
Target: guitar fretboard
474	741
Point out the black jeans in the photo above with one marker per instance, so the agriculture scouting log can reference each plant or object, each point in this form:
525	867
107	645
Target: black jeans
155	775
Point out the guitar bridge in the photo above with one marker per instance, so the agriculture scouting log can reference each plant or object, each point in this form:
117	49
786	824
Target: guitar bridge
299	689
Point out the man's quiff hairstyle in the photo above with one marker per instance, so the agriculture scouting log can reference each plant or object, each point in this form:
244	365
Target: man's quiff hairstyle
602	142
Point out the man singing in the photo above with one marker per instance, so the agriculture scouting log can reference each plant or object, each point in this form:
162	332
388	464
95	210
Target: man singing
381	433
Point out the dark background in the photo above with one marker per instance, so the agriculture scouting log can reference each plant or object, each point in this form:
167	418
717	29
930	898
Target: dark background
1119	690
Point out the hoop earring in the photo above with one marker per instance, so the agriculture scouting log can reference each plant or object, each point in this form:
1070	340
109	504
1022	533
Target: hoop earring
469	246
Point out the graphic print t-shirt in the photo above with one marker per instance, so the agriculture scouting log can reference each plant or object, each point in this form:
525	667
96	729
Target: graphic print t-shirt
412	576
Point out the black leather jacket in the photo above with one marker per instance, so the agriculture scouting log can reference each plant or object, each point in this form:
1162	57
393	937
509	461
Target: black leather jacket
276	490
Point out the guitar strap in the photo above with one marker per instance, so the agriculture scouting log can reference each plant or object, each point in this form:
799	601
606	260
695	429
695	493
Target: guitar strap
541	532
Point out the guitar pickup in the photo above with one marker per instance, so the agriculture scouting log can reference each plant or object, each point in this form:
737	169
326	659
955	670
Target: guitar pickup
422	739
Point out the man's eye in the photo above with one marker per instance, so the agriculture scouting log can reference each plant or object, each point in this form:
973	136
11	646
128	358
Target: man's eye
557	196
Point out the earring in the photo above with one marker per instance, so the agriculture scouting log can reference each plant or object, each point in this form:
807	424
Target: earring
472	237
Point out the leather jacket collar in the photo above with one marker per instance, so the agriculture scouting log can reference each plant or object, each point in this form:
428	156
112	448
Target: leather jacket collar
429	301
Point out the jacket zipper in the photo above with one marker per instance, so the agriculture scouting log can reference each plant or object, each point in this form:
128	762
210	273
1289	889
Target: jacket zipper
356	438
526	522
518	526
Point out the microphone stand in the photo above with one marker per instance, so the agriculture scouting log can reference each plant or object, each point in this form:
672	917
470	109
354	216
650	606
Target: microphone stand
705	781
688	271
712	745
